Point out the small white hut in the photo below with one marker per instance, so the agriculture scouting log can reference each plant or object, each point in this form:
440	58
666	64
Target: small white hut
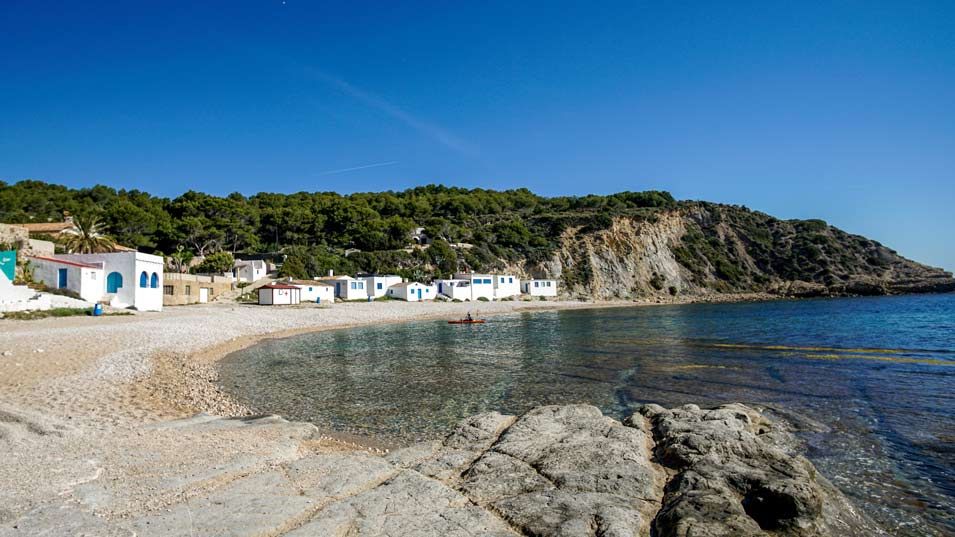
277	294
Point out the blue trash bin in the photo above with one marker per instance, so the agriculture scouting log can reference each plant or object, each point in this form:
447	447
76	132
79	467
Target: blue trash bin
97	310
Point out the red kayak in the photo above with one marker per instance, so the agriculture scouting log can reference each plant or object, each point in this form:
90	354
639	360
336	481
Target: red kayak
465	321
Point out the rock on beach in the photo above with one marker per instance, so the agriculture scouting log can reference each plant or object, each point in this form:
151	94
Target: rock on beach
554	471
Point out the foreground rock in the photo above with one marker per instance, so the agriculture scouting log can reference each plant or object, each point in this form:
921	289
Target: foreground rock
555	471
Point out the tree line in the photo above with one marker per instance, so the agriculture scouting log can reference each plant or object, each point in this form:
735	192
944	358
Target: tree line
316	229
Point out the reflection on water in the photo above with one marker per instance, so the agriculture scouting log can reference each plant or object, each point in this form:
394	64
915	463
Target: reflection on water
871	380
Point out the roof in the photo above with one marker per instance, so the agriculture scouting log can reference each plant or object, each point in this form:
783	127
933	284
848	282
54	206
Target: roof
46	227
309	282
325	278
406	284
278	286
63	262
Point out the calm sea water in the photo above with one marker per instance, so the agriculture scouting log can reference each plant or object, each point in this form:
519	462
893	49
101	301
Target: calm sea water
870	382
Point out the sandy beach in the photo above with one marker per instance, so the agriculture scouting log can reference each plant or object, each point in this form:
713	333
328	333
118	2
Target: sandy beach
79	395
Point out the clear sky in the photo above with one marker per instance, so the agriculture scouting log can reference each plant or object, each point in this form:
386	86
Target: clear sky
838	110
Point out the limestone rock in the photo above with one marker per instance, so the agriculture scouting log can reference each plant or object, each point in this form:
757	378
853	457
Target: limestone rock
736	474
556	471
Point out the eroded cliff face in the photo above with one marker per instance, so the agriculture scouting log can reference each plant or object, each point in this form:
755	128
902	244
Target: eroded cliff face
707	248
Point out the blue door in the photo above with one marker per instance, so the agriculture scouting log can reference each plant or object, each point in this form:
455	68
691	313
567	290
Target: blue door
114	282
61	282
419	294
338	289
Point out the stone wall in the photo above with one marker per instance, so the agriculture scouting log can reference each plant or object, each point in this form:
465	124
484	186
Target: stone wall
180	289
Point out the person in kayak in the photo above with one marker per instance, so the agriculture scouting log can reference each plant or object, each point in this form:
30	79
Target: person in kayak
468	318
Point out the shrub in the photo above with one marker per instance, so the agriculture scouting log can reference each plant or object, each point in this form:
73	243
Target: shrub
483	299
673	290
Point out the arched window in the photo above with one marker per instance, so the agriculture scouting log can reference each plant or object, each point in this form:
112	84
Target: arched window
154	280
114	282
144	279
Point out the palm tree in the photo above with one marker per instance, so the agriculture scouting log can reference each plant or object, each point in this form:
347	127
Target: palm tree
88	237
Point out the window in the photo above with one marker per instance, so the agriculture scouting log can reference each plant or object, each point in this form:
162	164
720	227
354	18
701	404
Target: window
188	290
361	285
154	281
354	285
167	290
379	285
548	284
144	279
309	289
502	280
537	284
487	280
510	280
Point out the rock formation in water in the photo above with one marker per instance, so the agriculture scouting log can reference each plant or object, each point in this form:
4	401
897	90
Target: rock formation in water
555	471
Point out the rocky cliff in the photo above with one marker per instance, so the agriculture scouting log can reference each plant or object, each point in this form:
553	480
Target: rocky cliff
701	248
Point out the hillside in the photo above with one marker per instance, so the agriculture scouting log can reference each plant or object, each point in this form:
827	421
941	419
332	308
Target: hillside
630	244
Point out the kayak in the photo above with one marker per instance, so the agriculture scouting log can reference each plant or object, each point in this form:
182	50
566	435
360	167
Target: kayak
465	321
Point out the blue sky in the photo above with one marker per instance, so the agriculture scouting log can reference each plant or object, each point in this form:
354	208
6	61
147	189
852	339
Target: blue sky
840	110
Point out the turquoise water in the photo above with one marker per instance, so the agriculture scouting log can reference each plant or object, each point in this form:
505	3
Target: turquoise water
869	382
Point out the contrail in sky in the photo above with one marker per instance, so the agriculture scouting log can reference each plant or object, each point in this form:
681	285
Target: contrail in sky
366	166
431	130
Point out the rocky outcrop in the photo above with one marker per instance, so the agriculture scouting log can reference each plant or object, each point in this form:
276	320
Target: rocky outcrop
706	248
555	471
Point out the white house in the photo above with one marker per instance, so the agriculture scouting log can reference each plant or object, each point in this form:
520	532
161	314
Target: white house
454	289
249	271
412	291
539	287
506	285
482	285
315	291
133	279
84	279
346	287
278	294
377	284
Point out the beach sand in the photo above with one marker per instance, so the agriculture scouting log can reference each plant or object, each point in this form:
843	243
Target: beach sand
78	395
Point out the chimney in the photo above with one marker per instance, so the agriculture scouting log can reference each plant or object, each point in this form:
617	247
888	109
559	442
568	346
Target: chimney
331	272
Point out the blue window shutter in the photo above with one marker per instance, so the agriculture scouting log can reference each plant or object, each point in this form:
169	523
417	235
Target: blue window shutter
143	280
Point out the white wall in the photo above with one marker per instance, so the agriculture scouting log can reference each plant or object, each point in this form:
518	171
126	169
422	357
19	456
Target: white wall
539	287
86	282
129	265
454	289
311	293
506	285
377	286
482	285
347	288
410	292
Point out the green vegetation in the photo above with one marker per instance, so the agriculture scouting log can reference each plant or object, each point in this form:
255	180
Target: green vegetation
316	229
724	248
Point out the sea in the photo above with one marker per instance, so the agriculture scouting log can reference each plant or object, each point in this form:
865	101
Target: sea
867	383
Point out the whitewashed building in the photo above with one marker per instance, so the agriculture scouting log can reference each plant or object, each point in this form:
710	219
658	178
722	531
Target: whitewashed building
539	287
132	279
315	291
84	279
412	291
482	285
377	284
278	294
454	289
249	271
506	285
346	287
